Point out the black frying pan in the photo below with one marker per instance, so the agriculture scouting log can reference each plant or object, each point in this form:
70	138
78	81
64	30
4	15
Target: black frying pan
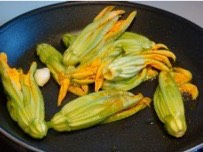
141	132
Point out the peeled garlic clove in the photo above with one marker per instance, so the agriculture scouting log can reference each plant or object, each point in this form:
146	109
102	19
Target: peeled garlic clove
42	76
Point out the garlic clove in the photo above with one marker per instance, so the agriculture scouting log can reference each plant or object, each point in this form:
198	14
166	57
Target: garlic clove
42	76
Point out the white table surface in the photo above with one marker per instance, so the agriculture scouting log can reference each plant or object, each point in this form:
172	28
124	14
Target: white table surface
192	11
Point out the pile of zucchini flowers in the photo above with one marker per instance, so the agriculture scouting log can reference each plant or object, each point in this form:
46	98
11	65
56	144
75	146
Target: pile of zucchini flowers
114	61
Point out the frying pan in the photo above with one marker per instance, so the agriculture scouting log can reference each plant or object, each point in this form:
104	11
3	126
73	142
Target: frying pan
140	132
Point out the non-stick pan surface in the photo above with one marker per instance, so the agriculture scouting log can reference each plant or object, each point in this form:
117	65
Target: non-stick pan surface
141	132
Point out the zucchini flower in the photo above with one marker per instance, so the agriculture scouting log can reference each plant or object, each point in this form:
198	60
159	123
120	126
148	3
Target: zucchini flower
183	78
104	29
169	106
25	102
130	83
53	60
93	109
128	66
112	74
90	37
133	43
107	46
